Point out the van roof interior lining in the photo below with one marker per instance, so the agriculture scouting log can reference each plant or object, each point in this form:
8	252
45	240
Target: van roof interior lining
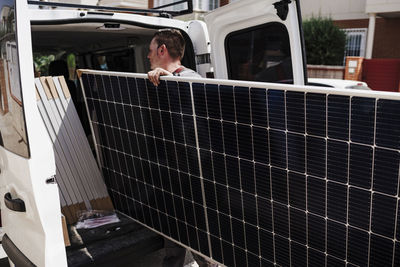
86	36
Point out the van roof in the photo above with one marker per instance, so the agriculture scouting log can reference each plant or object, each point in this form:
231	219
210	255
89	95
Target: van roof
163	11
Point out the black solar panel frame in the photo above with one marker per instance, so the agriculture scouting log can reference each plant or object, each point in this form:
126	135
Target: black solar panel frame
331	127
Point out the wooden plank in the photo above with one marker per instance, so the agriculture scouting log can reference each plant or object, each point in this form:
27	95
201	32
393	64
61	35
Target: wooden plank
95	176
50	84
65	197
103	204
37	94
73	210
80	159
45	88
61	146
64	133
67	242
64	86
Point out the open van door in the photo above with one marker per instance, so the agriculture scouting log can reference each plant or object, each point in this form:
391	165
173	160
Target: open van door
30	205
258	40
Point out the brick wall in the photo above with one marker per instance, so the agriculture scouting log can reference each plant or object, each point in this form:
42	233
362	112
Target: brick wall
387	35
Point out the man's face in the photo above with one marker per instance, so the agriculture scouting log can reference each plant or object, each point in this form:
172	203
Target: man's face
153	55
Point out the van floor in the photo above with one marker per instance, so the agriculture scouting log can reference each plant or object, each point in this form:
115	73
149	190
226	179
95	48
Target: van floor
122	244
151	260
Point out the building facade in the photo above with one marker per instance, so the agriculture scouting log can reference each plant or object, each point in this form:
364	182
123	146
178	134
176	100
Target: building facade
372	26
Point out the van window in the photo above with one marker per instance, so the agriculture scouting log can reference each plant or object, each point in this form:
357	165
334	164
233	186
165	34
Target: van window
115	60
260	53
12	121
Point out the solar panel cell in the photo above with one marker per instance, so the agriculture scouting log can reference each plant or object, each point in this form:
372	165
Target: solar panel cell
227	103
297	190
381	251
316	232
276	109
296	152
336	239
263	181
264	214
338	117
282	251
298	254
242	104
316	156
388	123
316	195
337	161
295	111
259	107
277	140
298	226
281	219
337	201
386	171
316	114
383	215
316	258
212	98
359	208
362	120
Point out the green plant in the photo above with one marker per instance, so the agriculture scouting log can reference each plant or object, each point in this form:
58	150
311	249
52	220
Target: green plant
42	62
325	42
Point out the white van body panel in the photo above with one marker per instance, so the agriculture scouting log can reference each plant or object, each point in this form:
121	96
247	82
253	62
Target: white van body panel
198	33
37	232
246	14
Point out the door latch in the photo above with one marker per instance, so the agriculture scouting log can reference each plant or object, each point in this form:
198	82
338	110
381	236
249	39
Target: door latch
51	180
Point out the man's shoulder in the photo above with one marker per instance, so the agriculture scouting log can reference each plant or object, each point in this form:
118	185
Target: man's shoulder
186	72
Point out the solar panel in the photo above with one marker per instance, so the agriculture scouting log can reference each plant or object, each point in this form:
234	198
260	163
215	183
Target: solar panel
252	174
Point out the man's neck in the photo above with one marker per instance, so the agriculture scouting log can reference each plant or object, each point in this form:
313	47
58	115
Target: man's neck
172	66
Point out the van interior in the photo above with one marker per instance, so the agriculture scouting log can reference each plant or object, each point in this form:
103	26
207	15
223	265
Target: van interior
100	45
110	47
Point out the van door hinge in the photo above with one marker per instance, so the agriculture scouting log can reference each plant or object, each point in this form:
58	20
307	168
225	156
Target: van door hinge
282	8
203	59
51	180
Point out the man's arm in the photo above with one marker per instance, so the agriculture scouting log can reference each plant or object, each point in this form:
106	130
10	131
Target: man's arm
154	75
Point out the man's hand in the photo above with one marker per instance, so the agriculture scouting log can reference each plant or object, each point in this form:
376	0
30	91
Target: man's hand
154	75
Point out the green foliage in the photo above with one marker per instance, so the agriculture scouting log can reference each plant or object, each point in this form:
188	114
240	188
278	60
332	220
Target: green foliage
42	62
325	43
71	61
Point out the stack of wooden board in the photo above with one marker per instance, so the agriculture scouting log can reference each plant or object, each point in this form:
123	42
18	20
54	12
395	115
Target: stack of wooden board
77	173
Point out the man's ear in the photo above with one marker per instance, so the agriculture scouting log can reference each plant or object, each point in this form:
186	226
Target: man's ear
163	49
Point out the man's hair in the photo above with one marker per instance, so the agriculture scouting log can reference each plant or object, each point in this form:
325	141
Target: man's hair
173	40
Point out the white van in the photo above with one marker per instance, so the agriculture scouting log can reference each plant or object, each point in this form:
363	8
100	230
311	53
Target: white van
245	40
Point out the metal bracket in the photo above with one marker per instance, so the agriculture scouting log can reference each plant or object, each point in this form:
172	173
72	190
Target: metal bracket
51	180
282	8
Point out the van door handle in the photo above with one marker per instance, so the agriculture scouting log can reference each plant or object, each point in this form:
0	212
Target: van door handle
14	204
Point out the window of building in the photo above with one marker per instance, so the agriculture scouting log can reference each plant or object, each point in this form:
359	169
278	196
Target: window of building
260	53
356	42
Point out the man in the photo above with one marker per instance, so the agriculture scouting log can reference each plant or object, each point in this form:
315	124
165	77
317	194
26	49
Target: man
165	53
